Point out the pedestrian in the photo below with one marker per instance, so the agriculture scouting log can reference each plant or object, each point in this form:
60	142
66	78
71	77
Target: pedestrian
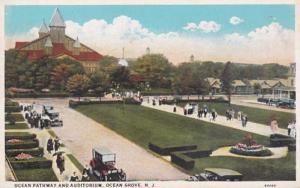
293	130
74	177
239	115
274	124
85	173
50	145
246	119
201	112
289	127
214	114
60	163
205	111
174	108
184	111
227	115
243	120
56	144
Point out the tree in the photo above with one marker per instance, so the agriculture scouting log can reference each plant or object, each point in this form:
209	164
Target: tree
120	77
100	82
155	68
60	75
226	79
78	84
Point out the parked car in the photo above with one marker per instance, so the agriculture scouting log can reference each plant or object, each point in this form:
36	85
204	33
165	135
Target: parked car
103	165
286	103
217	174
51	116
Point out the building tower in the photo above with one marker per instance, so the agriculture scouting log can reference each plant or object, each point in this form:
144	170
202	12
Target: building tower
192	58
76	46
48	46
123	61
147	50
43	30
57	27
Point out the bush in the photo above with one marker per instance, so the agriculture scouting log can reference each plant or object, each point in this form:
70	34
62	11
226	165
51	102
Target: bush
19	135
26	144
73	104
168	149
9	102
12	109
17	117
36	162
16	126
182	160
37	152
198	154
278	140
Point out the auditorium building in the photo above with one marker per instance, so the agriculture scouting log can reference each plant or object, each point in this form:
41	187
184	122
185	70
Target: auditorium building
53	42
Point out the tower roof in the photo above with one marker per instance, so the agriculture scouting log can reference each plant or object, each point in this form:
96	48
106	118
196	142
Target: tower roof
48	42
44	28
57	19
76	43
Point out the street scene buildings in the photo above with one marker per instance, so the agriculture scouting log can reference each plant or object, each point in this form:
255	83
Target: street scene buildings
114	112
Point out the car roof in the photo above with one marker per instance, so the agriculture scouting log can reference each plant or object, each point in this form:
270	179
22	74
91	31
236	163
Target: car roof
103	151
223	171
52	111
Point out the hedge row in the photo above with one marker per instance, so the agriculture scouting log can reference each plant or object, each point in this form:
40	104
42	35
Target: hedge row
36	162
198	154
22	145
37	152
9	102
16	126
19	135
278	140
12	109
73	103
17	117
182	160
169	149
46	95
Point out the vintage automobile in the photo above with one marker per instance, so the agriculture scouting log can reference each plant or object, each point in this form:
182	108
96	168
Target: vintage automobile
286	103
51	117
217	174
103	165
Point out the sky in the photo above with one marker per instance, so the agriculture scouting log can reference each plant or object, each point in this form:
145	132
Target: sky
239	33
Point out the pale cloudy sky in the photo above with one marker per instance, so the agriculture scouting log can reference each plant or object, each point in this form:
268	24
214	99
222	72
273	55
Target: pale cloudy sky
247	34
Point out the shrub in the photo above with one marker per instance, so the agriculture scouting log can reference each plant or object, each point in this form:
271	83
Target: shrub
26	144
17	117
257	153
182	160
16	126
19	135
36	162
73	104
12	109
278	140
38	152
9	102
168	149
198	153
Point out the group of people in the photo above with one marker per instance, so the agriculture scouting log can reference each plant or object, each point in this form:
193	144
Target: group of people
34	118
85	175
239	115
292	129
53	144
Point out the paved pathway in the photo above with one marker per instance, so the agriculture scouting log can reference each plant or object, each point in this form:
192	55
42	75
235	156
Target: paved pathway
80	134
221	120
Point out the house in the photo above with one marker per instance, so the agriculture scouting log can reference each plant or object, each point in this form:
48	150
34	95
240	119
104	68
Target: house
215	85
53	42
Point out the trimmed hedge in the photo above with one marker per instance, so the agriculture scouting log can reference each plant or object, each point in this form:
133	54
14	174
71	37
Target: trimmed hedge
9	102
16	126
198	154
182	160
17	117
168	149
73	104
292	147
36	162
37	152
278	140
19	135
12	109
22	145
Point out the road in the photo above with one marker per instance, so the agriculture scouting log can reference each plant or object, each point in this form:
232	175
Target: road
80	134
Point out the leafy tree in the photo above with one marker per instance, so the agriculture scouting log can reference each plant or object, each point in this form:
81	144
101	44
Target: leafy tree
226	79
78	84
155	68
257	88
60	75
120	77
100	82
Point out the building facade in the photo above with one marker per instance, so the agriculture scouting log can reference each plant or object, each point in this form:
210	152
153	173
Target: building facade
53	42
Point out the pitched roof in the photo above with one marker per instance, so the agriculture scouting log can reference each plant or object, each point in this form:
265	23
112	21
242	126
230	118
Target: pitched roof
57	19
48	42
238	83
44	28
20	44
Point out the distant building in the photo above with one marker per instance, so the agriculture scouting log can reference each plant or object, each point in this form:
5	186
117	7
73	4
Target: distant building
214	85
53	42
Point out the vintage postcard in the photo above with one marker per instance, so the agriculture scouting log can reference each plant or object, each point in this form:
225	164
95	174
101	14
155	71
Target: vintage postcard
148	94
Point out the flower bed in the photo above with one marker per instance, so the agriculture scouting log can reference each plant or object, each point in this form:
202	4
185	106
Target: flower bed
23	156
30	163
37	152
253	150
26	144
19	135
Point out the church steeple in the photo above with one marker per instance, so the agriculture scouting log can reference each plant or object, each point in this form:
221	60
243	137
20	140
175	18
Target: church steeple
43	29
57	27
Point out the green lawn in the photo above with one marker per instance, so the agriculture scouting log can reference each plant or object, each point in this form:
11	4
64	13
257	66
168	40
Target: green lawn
36	175
16	126
254	114
143	125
